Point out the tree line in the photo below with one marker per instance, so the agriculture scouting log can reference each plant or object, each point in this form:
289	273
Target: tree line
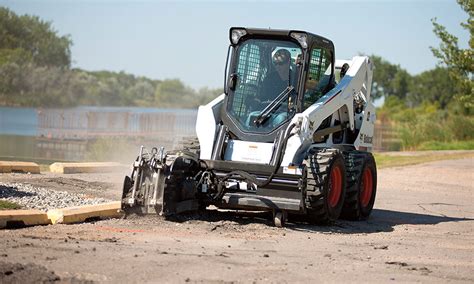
435	105
432	110
35	71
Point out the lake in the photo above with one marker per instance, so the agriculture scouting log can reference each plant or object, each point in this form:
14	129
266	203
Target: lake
73	133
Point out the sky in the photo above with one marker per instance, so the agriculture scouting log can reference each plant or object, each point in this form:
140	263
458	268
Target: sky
189	39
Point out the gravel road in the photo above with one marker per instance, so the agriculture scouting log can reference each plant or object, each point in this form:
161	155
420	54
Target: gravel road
421	230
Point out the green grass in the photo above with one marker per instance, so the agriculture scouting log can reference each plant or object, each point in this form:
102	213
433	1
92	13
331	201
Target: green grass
387	160
455	145
7	205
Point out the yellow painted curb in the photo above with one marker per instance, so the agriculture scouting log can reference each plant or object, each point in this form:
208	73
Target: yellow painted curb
83	213
15	166
74	168
27	217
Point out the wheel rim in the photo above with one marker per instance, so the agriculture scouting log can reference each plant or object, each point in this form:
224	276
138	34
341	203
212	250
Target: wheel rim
335	188
366	187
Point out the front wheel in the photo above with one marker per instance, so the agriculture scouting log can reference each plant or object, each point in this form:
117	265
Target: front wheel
326	185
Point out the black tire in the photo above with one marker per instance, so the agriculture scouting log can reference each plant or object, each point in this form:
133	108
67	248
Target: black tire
326	185
361	185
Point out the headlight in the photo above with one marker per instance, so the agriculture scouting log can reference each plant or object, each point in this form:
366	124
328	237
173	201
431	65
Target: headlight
236	34
301	38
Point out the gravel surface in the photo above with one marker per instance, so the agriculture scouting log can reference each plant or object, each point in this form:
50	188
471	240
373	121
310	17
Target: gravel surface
40	198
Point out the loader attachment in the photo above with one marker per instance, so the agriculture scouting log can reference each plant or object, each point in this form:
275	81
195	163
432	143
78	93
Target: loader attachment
161	183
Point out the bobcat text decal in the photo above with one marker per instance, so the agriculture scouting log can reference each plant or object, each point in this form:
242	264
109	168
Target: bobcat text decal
366	138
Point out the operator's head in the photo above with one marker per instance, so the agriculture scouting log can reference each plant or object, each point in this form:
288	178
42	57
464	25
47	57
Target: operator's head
281	57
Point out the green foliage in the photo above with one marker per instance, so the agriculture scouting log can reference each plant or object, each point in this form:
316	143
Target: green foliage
460	62
27	38
30	85
35	71
7	205
438	86
434	86
427	123
393	160
389	79
452	145
436	112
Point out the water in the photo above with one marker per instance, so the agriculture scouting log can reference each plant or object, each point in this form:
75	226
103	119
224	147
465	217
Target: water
18	121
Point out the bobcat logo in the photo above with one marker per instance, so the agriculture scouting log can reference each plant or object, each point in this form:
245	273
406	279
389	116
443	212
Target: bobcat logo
366	138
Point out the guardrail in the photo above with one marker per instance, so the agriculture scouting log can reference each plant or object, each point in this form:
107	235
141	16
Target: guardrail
86	124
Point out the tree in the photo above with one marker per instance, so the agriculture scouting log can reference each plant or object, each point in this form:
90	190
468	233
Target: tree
434	86
35	71
172	92
28	37
460	62
389	79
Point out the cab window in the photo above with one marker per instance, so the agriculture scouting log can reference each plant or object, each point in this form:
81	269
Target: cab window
319	76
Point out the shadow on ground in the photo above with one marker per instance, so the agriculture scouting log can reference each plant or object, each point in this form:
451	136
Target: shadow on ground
381	220
13	191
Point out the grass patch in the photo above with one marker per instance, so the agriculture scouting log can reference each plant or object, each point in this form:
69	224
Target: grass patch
455	145
390	160
7	205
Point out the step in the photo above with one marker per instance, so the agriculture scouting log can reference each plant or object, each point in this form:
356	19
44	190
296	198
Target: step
16	166
22	218
85	213
93	167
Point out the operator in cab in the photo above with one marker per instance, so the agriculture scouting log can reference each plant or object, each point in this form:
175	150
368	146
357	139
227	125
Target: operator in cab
279	78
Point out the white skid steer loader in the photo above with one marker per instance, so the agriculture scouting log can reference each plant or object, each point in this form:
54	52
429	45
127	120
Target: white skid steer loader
292	133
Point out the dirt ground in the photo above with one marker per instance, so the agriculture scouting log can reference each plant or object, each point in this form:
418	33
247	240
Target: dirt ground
421	230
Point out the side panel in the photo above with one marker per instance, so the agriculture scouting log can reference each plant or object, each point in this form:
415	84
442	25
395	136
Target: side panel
252	152
366	134
206	125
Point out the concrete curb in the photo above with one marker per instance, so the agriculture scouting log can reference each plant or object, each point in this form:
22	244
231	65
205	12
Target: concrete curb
83	213
23	217
75	168
15	166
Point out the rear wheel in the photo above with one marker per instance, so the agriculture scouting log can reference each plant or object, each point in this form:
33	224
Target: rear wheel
368	188
362	186
326	185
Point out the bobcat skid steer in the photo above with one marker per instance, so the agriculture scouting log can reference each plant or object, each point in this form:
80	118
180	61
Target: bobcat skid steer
292	133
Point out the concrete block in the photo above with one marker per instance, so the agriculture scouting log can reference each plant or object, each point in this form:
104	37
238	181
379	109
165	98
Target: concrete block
23	218
74	168
83	213
15	166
